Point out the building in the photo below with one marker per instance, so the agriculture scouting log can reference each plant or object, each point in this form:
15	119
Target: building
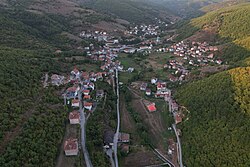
88	105
72	92
71	147
74	117
151	107
148	92
123	137
86	92
108	139
154	80
177	118
75	103
143	86
57	79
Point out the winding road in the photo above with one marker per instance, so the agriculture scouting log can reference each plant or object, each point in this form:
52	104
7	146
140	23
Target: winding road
118	120
179	145
175	131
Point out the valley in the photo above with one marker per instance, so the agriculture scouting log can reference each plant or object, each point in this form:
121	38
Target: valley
124	83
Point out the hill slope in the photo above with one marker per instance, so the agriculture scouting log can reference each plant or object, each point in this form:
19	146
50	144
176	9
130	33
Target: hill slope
230	25
217	132
137	11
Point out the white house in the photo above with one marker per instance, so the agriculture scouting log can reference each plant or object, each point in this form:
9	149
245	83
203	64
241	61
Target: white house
154	80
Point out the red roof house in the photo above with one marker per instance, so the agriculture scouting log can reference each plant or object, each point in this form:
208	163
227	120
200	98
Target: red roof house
75	103
151	107
86	92
88	105
71	147
177	118
74	117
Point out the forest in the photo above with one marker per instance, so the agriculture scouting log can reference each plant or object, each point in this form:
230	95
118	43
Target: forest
32	121
217	131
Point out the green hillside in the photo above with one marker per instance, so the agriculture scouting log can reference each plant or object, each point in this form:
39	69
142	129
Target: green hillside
32	118
132	11
231	24
217	132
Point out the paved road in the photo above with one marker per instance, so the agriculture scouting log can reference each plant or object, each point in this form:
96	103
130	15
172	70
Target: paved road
179	145
118	120
83	132
163	158
109	152
177	137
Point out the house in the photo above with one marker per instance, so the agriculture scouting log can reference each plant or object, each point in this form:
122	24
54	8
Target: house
151	107
108	139
123	137
57	79
172	78
130	69
72	92
219	62
143	86
86	97
91	85
148	92
171	146
76	73
75	103
177	118
159	94
154	80
88	105
86	92
99	75
210	56
85	75
74	117
161	86
99	94
71	147
174	106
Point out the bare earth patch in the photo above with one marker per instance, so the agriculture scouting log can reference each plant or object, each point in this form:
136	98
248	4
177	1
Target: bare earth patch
140	159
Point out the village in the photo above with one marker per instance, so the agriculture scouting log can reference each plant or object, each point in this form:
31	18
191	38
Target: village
81	100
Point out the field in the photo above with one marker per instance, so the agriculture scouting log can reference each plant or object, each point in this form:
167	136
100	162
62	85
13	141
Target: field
146	67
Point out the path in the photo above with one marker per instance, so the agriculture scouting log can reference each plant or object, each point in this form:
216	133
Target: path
118	120
179	145
45	83
83	132
174	127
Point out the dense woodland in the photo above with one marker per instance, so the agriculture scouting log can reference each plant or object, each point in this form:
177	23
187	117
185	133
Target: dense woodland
29	112
217	131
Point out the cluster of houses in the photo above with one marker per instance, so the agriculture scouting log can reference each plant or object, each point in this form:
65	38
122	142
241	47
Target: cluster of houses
97	35
143	30
80	94
195	53
161	92
189	54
